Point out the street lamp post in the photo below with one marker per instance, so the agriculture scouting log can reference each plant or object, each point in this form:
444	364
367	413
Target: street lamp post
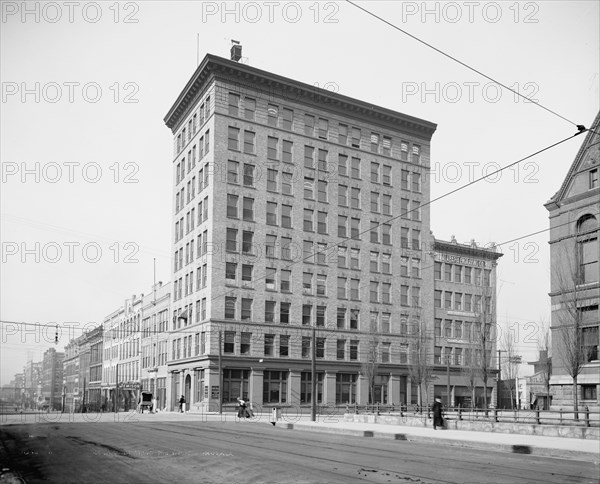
313	380
448	379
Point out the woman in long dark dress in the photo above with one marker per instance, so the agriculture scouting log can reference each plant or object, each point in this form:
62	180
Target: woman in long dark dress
438	421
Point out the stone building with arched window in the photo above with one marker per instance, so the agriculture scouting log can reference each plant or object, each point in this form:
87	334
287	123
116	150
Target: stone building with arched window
574	213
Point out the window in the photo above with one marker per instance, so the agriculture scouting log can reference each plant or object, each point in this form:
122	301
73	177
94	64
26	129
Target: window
467	275
248	213
320	348
404	208
375	202
269	311
249	142
355	168
416	267
233	142
374	291
404	151
343	165
341	347
285	280
269	342
404	295
322	191
247	242
307	283
385	322
386	204
387	146
385	352
341	288
374	172
230	272
355	198
286	183
247	273
306	315
246	309
234	104
272	148
458	273
386	234
587	250
354	289
245	343
249	108
437	271
589	392
309	157
387	175
286	248
306	383
416	210
284	345
288	119
309	188
232	205
353	350
342	257
589	338
308	219
271	213
322	222
286	151
416	154
272	180
374	266
404	237
231	242
272	114
386	290
321	311
229	342
447	300
306	346
342	226
321	285
233	168
284	313
345	388
356	137
270	278
323	128
341	316
386	266
343	134
374	232
354	258
416	239
416	182
309	125
404	179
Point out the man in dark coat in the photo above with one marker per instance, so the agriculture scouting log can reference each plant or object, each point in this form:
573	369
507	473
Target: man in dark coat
181	403
438	421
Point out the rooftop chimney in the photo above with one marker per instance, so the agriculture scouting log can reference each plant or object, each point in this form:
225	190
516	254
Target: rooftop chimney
236	50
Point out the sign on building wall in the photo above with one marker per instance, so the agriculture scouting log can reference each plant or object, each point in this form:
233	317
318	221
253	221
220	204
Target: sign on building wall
455	259
215	392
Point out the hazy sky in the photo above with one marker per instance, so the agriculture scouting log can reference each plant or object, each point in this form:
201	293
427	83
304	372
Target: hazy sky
85	89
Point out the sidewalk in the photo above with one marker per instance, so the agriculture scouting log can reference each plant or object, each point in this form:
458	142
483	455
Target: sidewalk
565	448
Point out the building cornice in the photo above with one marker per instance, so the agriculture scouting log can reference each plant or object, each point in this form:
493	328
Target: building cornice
214	66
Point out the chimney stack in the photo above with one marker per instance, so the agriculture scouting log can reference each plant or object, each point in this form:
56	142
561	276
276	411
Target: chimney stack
236	50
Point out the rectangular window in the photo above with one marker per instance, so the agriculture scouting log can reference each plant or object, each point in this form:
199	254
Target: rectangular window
447	300
375	202
355	168
320	348
232	205
374	172
374	232
309	157
342	257
272	148
306	314
386	204
233	142
321	285
341	347
306	346
416	182
343	134
248	175
272	115
322	191
284	345
286	248
387	175
374	291
249	108
246	309
270	311
247	242
321	310
309	188
387	146
249	142
285	280
286	183
341	288
286	151
284	313
309	124
356	137
343	165
248	213
355	197
269	342
234	104
307	278
245	343
354	258
342	226
288	119
270	278
229	342
271	213
354	289
322	222
272	180
233	168
230	307
323	128
308	219
230	272
341	317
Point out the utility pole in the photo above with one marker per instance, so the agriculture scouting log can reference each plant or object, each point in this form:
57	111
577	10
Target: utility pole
313	380
220	377
448	378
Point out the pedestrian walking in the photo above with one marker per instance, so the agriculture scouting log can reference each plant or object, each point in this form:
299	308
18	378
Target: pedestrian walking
438	420
182	404
244	411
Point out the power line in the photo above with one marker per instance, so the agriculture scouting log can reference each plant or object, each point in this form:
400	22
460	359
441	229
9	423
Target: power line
460	62
405	213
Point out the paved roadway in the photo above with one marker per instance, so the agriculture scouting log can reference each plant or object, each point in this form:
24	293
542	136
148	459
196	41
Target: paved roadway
246	452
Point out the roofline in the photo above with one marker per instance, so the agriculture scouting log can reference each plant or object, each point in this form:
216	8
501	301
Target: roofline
489	253
212	63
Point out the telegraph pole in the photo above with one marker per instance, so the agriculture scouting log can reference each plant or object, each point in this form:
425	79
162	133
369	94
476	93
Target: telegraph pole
220	377
448	379
313	380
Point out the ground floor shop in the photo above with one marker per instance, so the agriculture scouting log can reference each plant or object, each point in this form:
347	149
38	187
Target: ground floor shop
205	386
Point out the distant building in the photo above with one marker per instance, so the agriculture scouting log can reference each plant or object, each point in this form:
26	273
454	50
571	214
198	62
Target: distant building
72	392
32	389
574	213
537	395
464	300
52	378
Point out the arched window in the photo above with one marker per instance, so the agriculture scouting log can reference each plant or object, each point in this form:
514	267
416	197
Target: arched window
587	249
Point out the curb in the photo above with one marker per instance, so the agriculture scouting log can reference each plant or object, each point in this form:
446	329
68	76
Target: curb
471	444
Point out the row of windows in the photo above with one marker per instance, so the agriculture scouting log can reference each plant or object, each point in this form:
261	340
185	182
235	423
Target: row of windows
462	302
462	274
184	286
155	355
285	118
157	323
188	163
464	330
195	122
201	250
182	347
203	177
460	356
188	224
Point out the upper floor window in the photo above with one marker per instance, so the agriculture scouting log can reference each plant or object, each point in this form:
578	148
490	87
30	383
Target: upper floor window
594	178
234	104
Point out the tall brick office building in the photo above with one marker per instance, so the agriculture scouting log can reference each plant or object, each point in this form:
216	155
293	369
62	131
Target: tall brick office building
294	208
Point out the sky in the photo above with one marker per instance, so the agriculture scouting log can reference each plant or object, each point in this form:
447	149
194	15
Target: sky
86	157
